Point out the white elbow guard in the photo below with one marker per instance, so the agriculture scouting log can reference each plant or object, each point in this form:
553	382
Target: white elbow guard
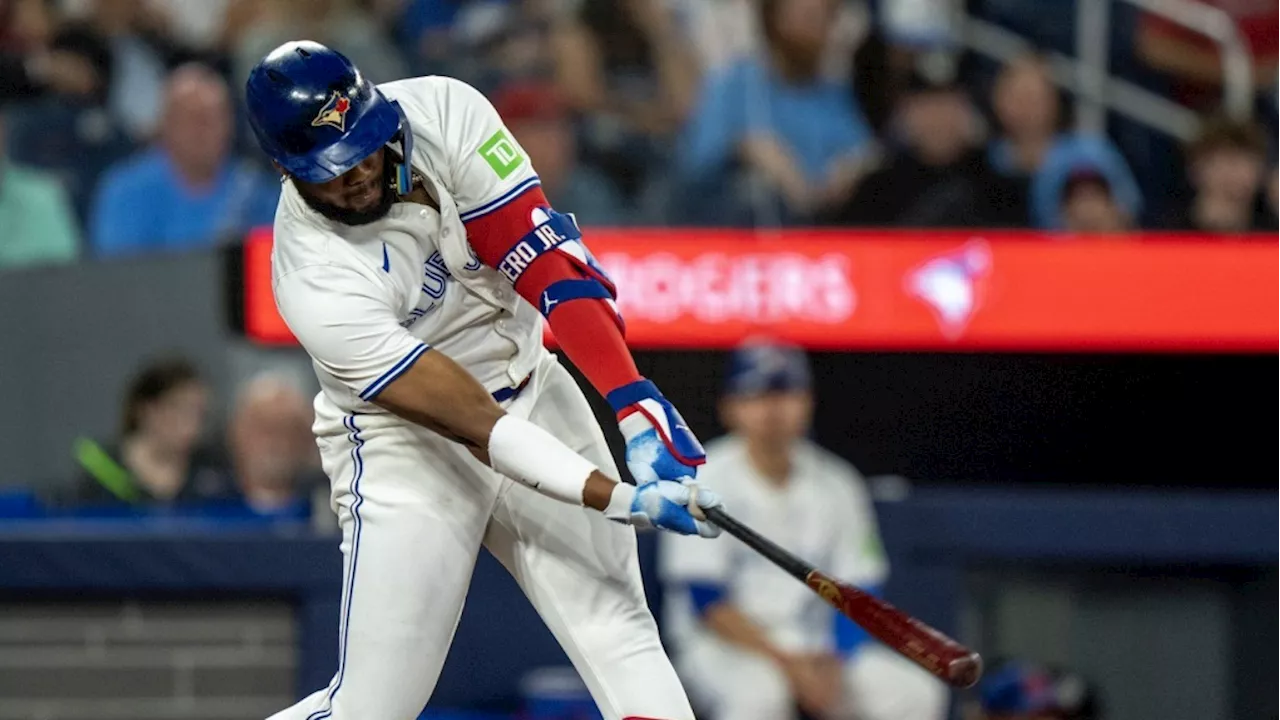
525	452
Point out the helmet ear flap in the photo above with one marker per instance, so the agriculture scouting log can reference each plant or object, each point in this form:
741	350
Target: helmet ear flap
402	176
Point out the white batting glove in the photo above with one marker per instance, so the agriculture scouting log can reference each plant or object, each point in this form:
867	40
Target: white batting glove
664	504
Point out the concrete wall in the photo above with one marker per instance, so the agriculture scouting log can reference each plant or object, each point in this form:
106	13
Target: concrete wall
131	660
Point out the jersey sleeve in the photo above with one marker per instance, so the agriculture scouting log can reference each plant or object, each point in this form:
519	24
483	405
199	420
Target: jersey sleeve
346	323
858	556
487	167
501	204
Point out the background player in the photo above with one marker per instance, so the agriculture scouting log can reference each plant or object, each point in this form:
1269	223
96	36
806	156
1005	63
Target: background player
753	643
413	251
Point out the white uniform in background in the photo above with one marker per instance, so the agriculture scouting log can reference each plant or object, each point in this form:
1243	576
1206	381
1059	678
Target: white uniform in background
823	515
366	301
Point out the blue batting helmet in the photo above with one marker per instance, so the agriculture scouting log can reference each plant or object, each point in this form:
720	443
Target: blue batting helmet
316	115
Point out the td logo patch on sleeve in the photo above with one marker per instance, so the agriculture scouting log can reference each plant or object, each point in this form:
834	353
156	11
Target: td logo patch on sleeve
501	154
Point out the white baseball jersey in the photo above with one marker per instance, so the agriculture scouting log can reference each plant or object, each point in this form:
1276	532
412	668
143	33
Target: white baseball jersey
415	508
366	301
821	514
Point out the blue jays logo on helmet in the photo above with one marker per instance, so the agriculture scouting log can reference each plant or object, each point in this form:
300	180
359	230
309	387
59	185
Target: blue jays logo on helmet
300	93
334	112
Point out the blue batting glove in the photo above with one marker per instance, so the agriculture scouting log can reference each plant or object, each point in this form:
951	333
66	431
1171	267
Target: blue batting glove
663	504
660	446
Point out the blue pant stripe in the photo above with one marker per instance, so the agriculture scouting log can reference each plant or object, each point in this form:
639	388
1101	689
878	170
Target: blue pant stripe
349	591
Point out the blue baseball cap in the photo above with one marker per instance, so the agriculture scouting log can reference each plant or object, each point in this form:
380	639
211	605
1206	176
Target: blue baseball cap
759	366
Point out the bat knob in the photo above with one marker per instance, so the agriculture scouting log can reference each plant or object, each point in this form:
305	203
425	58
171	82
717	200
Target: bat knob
964	671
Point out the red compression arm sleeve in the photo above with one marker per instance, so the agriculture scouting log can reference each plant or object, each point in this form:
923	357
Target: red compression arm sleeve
585	328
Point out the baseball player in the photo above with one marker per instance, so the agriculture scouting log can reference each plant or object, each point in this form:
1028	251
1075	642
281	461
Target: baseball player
415	259
754	644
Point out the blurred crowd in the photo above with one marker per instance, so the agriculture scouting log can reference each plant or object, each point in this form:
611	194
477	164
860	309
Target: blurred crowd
164	458
122	132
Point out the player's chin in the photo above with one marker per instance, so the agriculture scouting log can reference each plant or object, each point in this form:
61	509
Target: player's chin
365	205
362	211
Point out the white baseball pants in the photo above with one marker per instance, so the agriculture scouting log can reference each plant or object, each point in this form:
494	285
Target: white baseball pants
732	684
415	509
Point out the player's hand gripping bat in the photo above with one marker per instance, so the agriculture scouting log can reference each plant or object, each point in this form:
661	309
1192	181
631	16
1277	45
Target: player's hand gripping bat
945	658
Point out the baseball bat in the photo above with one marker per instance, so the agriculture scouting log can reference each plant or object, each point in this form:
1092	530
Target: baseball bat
938	654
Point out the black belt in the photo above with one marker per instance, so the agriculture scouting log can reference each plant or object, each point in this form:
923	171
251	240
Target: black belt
509	393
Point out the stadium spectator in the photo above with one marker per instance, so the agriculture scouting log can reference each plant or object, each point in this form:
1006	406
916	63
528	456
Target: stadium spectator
724	31
1226	166
271	448
39	226
522	46
1034	150
1020	690
918	25
627	68
424	31
882	72
1089	207
749	642
202	24
137	36
938	176
492	42
28	65
1273	198
187	191
157	460
1194	60
339	24
541	124
63	125
771	120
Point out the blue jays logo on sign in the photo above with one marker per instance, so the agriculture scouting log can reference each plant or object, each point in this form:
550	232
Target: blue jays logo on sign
953	285
334	112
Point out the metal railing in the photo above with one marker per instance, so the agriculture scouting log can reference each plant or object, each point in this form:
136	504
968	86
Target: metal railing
1088	74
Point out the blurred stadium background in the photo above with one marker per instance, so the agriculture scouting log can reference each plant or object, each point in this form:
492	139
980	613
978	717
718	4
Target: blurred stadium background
1031	244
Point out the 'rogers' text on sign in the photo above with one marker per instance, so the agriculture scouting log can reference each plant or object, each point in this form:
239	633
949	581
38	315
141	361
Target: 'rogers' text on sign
715	287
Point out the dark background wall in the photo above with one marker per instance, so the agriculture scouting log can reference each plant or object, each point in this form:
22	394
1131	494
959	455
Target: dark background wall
1142	420
70	337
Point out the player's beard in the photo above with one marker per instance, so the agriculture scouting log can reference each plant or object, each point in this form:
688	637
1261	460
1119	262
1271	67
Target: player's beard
347	216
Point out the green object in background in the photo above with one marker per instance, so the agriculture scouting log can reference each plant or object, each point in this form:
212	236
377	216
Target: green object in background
103	468
38	225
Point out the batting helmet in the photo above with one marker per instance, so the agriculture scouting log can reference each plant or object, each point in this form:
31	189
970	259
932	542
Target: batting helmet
316	115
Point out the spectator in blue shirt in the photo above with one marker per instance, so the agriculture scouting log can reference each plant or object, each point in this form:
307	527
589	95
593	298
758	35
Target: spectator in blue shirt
775	117
1033	149
187	191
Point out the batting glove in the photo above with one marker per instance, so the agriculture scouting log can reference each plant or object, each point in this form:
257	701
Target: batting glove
666	505
660	446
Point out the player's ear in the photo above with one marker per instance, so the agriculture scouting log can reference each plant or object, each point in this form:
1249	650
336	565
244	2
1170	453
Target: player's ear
279	168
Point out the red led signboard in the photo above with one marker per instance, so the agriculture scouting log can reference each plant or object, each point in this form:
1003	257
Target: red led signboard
962	291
